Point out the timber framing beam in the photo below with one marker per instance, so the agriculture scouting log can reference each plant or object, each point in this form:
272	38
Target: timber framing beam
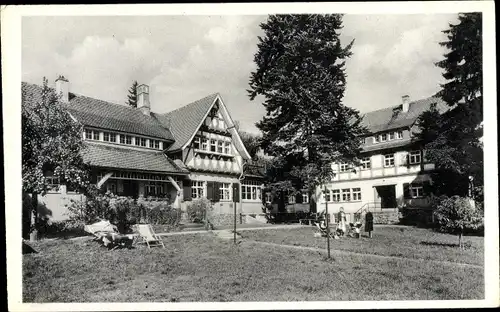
104	179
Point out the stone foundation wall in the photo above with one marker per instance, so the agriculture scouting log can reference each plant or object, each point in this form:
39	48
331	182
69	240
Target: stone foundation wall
224	219
386	217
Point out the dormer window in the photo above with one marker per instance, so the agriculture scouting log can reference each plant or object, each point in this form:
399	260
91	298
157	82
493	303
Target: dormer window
391	136
399	134
383	137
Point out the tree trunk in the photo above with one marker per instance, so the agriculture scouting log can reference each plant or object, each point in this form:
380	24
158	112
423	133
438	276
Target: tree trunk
460	240
34	217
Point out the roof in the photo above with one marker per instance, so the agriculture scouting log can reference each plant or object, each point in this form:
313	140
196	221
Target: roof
101	114
103	155
254	171
387	145
184	121
386	119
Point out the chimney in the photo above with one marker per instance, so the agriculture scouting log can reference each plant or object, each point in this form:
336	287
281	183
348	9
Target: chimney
62	88
406	103
143	99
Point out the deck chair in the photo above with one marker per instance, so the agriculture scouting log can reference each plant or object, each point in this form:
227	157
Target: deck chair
147	235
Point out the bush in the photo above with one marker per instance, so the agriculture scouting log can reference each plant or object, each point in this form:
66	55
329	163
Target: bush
198	209
61	228
456	215
122	211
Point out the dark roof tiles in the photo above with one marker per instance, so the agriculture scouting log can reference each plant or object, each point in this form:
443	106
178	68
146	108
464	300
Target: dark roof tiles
392	118
101	114
106	156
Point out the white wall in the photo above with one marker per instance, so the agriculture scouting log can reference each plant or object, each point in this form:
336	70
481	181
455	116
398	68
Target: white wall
367	191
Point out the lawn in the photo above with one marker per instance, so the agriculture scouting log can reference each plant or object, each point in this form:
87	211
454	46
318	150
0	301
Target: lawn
201	267
409	242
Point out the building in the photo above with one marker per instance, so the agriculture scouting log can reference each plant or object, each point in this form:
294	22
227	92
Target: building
393	168
191	152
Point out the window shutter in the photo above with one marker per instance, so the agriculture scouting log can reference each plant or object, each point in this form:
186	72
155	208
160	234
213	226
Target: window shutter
236	192
210	190
427	188
186	186
406	190
216	190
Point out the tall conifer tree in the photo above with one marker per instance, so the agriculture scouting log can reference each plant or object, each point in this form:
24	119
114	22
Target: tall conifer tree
301	76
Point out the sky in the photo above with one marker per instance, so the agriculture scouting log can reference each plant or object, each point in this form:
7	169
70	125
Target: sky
184	58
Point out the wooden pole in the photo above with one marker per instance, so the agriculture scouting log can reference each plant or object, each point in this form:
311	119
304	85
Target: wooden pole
234	232
327	226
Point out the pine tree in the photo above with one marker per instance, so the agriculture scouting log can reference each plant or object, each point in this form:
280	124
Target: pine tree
132	96
301	75
452	140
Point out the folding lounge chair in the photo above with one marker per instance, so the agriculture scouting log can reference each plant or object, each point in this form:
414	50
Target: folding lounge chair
147	235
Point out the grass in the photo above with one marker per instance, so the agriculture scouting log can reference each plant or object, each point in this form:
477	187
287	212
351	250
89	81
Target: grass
200	267
408	242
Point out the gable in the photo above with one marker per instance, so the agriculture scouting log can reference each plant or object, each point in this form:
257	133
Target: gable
186	121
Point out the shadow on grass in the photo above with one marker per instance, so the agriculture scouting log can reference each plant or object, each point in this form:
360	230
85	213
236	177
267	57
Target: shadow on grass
439	244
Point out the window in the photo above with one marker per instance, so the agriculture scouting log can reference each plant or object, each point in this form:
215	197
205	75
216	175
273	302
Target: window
433	105
111	187
122	139
227	148
415	157
291	199
392	135
366	163
155	189
344	167
251	190
356	193
53	183
327	195
142	141
88	134
196	142
383	137
213	145
112	137
157	144
399	134
151	143
416	191
362	141
375	139
204	144
137	141
225	191
95	134
305	198
106	136
197	189
128	140
336	195
220	147
389	160
346	194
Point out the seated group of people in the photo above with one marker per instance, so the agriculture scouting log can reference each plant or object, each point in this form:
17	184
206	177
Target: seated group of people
341	225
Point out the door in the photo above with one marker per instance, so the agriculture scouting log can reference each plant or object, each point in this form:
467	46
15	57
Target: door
130	188
387	196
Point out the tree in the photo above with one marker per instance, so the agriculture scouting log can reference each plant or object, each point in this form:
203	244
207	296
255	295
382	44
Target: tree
301	75
452	140
132	96
251	142
456	215
51	142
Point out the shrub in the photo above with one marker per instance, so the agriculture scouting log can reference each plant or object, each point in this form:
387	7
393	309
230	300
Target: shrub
198	209
61	228
456	215
158	212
